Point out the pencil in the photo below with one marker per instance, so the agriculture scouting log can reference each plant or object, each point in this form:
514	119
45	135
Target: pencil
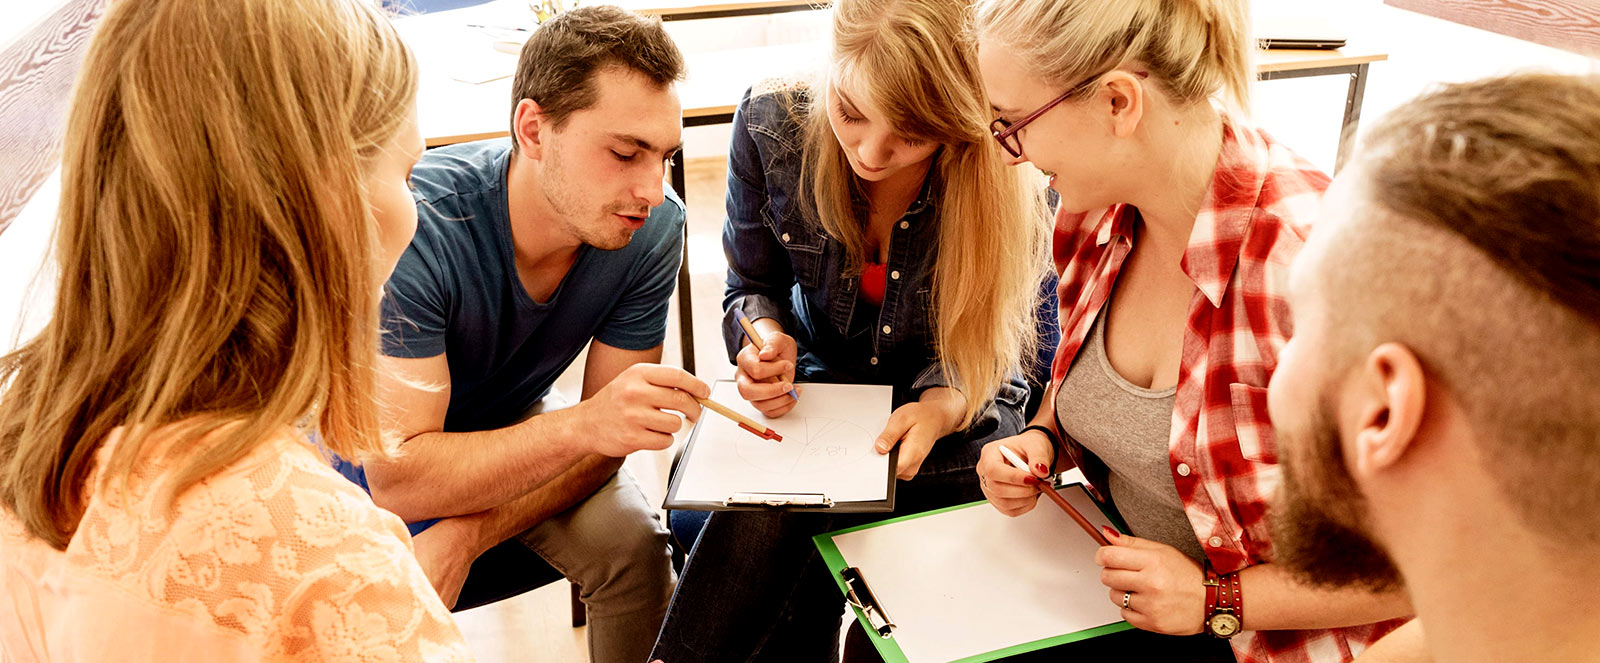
755	339
744	422
1047	489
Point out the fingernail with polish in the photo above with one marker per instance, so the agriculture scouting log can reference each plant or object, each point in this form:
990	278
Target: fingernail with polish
1111	533
1042	469
1033	481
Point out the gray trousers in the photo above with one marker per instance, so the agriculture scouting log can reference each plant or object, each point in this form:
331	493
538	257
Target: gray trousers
615	548
612	546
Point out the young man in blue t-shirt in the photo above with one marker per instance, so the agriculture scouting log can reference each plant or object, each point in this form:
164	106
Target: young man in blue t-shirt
528	249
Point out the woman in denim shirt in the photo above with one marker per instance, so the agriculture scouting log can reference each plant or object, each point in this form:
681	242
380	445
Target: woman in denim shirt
875	236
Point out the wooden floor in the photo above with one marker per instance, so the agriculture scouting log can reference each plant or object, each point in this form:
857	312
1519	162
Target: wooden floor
538	625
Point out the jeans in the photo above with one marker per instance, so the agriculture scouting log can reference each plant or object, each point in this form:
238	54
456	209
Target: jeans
756	589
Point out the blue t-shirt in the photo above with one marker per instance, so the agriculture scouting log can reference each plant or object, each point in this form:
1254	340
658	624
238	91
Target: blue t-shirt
456	291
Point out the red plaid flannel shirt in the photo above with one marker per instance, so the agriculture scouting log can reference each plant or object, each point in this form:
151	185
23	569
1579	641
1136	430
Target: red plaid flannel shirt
1252	223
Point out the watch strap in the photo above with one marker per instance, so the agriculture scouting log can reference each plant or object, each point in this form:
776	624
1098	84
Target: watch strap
1212	584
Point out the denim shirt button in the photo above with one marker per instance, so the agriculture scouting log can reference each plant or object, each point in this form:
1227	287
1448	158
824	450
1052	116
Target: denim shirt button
886	329
905	224
895	275
786	237
873	361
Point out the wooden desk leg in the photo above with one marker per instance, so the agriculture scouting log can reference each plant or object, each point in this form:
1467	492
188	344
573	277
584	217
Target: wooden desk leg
580	614
685	298
1352	115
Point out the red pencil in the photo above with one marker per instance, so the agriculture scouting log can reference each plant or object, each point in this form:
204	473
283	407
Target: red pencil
1094	532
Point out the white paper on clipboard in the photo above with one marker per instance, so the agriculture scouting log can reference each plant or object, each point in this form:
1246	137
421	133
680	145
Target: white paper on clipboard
827	448
980	581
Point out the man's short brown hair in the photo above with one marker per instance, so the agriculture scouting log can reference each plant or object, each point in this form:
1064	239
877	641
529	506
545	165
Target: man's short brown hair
1479	249
558	64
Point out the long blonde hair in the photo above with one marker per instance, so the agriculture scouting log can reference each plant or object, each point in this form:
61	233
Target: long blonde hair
216	247
916	67
1193	48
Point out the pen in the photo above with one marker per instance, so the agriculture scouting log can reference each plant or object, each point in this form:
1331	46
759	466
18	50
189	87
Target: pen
1047	489
497	27
744	422
755	338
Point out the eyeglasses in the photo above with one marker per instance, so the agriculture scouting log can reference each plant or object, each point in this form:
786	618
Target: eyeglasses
1006	133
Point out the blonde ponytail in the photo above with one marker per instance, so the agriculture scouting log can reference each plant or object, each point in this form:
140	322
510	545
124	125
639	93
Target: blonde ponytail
1228	68
1196	50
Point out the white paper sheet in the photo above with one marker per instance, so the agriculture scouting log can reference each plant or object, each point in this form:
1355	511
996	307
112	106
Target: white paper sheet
827	447
973	581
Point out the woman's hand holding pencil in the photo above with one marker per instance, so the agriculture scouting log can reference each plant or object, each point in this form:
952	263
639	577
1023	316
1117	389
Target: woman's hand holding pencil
1011	490
765	369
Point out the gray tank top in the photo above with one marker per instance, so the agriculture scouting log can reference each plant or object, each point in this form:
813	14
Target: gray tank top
1129	428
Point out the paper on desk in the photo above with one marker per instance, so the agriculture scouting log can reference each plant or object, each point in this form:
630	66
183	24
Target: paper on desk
971	581
480	63
827	447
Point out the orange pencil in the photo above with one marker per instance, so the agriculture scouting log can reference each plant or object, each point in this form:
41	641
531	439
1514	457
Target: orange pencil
1016	461
744	422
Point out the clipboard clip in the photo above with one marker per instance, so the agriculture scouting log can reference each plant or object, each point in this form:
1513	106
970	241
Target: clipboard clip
861	597
817	500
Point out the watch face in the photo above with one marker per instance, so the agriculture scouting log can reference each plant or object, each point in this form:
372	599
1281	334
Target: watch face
1223	625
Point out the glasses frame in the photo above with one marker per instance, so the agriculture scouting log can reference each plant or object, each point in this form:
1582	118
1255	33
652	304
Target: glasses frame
1003	130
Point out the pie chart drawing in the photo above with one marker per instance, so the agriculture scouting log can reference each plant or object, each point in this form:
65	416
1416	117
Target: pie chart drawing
810	445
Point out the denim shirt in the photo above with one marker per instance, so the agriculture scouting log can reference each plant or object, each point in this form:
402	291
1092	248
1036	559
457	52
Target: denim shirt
783	265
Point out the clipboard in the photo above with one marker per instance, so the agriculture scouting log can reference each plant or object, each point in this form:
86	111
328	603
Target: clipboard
851	416
946	586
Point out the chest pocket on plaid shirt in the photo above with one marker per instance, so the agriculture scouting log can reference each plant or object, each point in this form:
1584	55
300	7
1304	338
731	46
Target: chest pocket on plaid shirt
1249	411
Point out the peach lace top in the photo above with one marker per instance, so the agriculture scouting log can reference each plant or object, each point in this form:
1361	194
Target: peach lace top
274	558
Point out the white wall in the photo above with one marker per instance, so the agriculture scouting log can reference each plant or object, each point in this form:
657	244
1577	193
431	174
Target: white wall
27	285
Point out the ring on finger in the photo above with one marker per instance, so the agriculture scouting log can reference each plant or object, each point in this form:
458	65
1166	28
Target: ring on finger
1126	596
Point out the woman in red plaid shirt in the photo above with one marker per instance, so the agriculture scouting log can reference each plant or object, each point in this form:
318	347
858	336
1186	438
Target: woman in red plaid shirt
1175	230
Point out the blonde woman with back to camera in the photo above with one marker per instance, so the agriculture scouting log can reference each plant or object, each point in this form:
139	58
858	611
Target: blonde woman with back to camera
232	199
1176	227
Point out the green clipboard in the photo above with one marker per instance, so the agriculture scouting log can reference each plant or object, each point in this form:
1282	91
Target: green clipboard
874	615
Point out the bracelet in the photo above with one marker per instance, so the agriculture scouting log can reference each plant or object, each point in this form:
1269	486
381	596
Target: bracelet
1055	441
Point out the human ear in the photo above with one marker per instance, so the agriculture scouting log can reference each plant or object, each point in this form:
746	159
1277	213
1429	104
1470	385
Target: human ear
1124	100
527	121
1390	394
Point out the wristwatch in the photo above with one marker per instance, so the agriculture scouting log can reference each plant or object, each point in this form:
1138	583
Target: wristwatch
1224	604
